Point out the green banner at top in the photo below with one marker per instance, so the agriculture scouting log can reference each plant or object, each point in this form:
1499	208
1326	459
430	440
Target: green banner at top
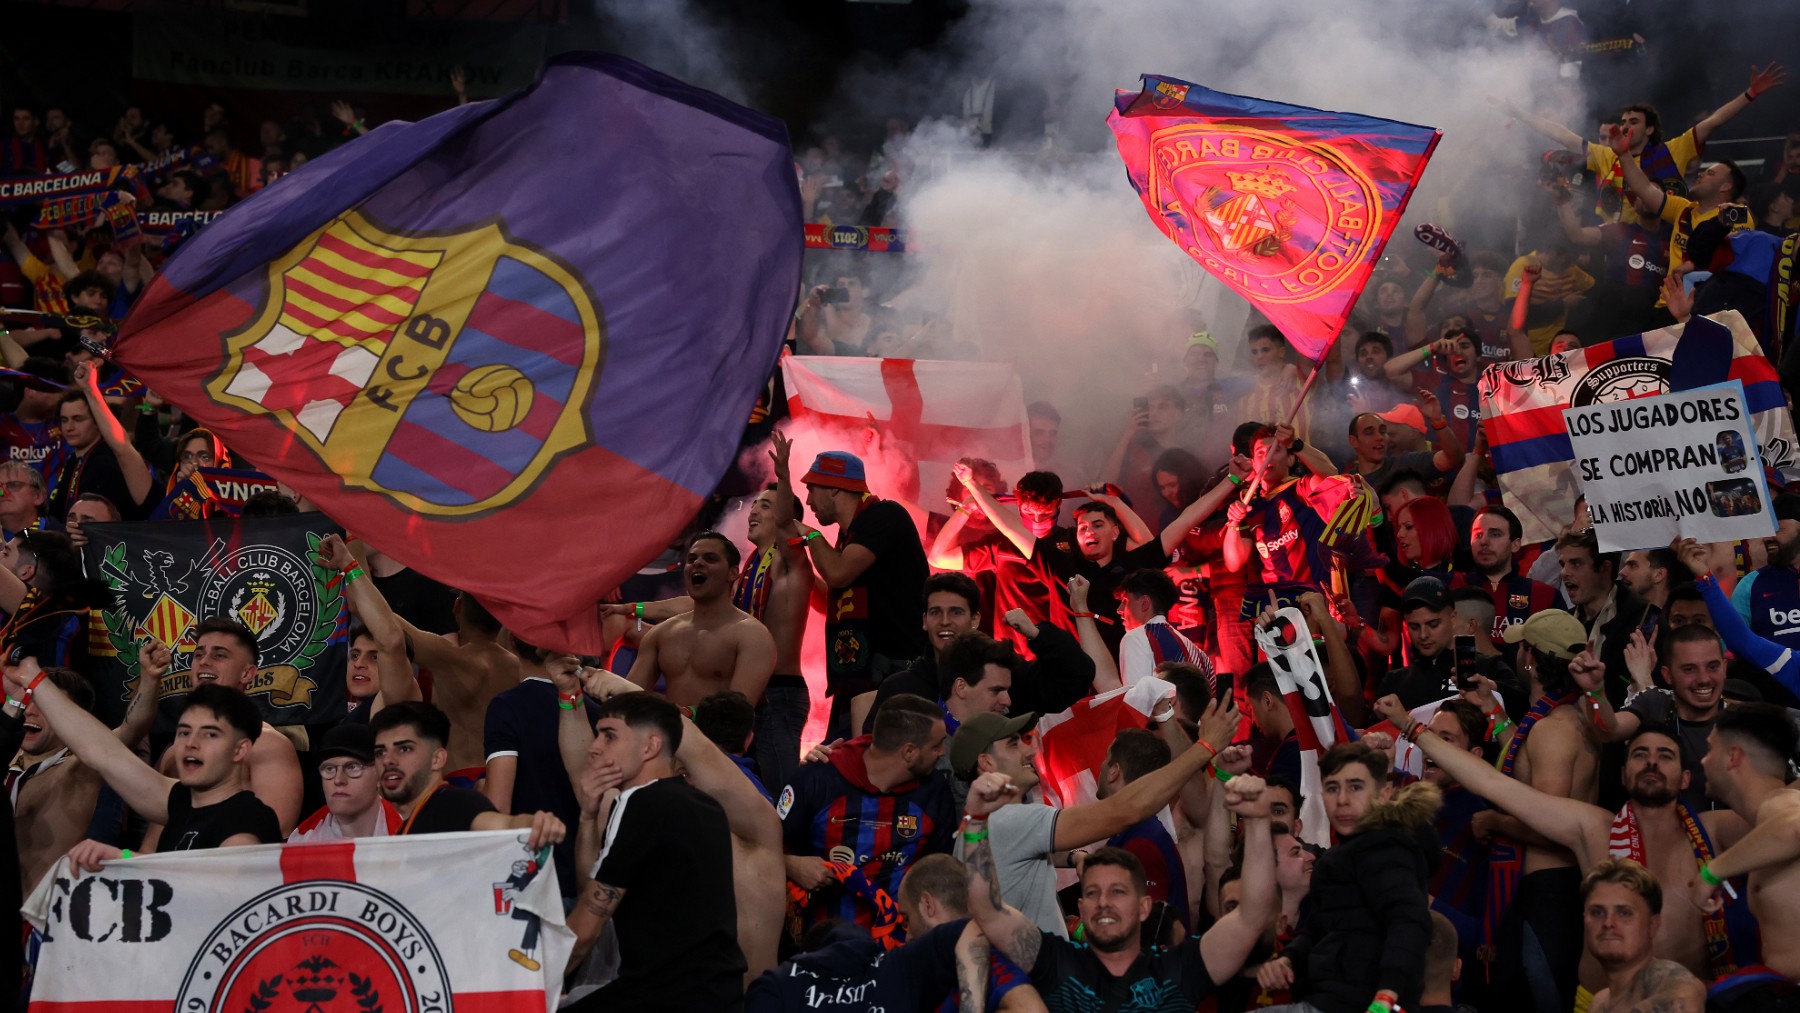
411	57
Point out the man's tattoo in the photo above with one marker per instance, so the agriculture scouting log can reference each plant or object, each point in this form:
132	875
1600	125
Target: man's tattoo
971	974
1027	939
981	863
602	900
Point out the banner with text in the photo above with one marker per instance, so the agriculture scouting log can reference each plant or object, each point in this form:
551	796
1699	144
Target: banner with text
365	925
1683	464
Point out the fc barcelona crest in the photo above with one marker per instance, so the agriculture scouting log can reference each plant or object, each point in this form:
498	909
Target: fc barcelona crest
449	389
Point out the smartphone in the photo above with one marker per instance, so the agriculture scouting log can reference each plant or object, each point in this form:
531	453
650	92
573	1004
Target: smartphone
1465	662
835	294
1140	405
1222	687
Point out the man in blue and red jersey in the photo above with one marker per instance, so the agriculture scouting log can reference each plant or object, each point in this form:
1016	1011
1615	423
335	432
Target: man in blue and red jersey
1133	754
1286	526
1494	541
877	804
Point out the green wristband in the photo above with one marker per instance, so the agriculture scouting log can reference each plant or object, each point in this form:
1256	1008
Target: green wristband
124	852
1220	774
975	836
1711	877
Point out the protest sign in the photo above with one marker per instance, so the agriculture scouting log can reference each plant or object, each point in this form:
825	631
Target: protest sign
1682	464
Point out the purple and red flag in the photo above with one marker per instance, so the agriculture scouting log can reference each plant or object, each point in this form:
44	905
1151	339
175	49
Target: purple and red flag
1289	206
488	341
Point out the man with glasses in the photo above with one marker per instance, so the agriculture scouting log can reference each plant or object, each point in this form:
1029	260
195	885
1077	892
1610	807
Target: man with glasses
353	803
22	495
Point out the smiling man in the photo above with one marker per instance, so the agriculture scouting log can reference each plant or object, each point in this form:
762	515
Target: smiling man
225	654
1694	670
717	646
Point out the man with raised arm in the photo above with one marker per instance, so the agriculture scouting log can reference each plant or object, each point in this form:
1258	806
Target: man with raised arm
1111	970
378	637
207	804
1655	829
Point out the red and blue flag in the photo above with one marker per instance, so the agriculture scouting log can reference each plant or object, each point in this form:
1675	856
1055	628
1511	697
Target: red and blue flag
1522	405
512	345
1288	206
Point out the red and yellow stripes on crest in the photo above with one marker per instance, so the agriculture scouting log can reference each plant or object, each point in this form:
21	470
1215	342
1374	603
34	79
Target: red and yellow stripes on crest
352	290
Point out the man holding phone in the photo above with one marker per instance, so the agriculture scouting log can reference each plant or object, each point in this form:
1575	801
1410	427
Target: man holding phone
1440	665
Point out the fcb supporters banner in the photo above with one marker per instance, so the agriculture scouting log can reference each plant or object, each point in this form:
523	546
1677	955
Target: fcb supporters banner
364	925
1683	464
169	576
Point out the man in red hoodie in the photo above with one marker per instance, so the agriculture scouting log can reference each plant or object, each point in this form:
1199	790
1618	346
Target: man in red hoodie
853	824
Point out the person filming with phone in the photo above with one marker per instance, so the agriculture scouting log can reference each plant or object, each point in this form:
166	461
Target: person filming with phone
1441	663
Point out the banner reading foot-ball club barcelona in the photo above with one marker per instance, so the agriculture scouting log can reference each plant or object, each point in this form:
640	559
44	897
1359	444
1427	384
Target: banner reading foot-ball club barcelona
167	577
513	345
1289	206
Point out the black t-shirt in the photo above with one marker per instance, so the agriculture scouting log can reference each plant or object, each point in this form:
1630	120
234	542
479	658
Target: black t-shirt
1065	560
677	923
449	810
521	723
191	829
1072	980
98	472
884	601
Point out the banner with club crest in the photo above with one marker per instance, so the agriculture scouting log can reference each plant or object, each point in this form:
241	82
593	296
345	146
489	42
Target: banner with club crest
169	576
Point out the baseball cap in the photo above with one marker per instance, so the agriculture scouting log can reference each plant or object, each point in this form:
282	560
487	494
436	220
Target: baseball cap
1204	338
839	470
1551	631
976	735
1427	593
356	742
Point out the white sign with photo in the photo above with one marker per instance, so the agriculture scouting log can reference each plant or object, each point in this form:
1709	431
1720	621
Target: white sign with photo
1683	464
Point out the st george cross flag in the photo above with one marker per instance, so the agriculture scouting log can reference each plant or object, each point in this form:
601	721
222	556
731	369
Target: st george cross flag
940	411
1072	744
1317	724
1289	206
484	340
370	924
1522	405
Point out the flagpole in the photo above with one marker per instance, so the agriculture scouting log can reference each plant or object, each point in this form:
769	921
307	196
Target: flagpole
1254	489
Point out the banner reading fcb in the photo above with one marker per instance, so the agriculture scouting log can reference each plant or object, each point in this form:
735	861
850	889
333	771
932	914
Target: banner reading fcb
169	576
1289	206
490	345
367	925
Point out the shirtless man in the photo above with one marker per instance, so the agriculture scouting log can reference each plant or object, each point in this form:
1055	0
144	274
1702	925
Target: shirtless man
759	873
225	654
775	587
1621	909
466	673
1654	824
717	646
1746	767
379	669
1552	752
55	794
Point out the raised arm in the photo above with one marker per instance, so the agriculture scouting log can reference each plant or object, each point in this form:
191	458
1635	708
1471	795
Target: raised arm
1767	655
132	466
1449	455
1136	531
1140	800
1650	196
1226	945
1087	633
1004	517
1415	313
142	788
395	673
1007	930
1340	667
749	815
140	714
1609	725
1771	76
1401	366
1199	510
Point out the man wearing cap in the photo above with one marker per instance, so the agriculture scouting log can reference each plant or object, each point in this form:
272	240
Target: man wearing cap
1370	446
1430	618
1028	837
1769	598
353	803
874	572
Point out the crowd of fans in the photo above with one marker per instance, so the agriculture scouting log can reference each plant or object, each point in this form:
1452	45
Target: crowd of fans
1571	790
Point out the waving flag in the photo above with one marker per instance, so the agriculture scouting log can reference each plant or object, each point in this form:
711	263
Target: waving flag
487	342
1317	724
1072	744
1289	206
1522	404
371	924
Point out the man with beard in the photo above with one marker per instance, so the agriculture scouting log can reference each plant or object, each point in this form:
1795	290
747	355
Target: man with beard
715	647
1694	671
55	793
225	654
1655	828
1111	970
1622	916
410	755
1650	573
1494	541
1769	598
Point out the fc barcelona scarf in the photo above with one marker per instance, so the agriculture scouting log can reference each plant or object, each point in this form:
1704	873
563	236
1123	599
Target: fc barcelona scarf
1731	930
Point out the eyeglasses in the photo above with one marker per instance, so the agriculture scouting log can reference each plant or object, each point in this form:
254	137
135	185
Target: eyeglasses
15	486
351	770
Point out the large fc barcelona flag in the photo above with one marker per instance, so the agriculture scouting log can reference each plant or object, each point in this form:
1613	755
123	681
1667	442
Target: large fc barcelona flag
512	345
1289	206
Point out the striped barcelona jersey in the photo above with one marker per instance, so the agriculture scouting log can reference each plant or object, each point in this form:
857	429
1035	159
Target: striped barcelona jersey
1288	530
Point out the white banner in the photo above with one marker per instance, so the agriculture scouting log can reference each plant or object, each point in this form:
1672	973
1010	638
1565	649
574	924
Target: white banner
1682	464
425	924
